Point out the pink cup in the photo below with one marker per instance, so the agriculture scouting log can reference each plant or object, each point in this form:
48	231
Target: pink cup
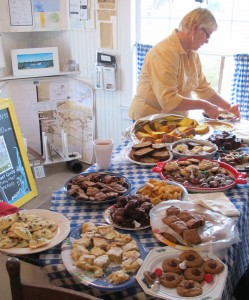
103	152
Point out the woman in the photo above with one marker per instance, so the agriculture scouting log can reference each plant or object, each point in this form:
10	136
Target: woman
172	70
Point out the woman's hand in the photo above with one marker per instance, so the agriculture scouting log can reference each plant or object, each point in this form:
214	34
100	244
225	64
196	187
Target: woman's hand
235	110
212	110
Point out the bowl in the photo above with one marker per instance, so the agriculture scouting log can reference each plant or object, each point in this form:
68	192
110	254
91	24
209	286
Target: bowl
77	188
193	147
154	200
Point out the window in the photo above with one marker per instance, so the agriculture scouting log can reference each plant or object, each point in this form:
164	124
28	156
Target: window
156	19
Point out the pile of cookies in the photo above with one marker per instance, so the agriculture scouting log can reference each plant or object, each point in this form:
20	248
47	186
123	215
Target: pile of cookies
186	273
198	173
102	251
21	230
147	152
183	226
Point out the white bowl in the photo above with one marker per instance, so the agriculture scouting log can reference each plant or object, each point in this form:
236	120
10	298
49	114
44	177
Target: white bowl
207	155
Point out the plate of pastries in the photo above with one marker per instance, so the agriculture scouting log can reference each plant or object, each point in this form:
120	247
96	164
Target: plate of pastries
239	159
168	128
149	154
223	116
186	225
102	257
32	231
97	187
200	174
182	274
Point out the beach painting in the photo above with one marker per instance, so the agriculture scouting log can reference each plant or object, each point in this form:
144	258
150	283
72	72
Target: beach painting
35	61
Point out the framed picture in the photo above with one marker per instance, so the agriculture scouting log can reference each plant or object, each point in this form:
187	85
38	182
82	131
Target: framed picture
35	61
17	184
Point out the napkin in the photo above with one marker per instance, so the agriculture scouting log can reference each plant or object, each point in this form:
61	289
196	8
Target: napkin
7	209
242	130
217	202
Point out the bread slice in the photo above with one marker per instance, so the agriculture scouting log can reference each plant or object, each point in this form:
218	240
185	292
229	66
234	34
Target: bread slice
202	129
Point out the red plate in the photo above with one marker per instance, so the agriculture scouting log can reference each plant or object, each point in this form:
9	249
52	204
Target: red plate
239	177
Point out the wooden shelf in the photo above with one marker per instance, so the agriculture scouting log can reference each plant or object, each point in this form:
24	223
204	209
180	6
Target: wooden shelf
11	77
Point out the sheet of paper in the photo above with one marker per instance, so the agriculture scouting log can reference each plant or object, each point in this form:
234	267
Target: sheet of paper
20	13
46	14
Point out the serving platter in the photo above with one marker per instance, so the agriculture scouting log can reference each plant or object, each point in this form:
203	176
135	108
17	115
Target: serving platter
223	116
98	179
184	128
154	259
238	177
221	126
218	232
61	232
84	277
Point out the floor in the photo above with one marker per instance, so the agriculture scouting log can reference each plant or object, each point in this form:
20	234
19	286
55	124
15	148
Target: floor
55	177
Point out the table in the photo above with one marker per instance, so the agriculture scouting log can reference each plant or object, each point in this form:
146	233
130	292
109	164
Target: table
236	257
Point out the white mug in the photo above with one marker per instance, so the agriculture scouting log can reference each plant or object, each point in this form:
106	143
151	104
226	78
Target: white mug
103	152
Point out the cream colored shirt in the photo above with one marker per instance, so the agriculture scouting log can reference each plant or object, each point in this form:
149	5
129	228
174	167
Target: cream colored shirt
168	74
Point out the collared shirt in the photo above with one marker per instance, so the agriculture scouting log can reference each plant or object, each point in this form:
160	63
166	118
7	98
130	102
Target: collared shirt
168	74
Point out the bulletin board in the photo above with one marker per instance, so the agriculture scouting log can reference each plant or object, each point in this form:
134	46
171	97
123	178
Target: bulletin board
17	185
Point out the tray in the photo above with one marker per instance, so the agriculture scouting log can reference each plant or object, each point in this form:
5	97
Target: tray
240	177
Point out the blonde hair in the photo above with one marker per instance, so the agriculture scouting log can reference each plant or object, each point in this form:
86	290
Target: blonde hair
200	16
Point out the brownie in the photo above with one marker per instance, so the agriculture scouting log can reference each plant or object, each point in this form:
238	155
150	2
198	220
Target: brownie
184	215
170	219
191	236
172	210
178	226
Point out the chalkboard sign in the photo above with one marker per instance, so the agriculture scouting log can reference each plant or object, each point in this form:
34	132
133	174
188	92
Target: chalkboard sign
17	185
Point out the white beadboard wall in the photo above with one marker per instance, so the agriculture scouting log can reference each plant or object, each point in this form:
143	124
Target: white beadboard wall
111	108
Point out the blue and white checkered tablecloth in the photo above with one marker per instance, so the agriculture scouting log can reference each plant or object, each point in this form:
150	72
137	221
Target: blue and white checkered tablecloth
236	256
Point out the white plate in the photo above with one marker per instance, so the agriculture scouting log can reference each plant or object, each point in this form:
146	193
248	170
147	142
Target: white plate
154	259
149	164
108	218
61	233
83	276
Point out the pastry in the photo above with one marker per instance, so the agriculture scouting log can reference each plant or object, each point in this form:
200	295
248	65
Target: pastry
170	280
189	288
192	258
213	266
196	274
171	265
191	236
